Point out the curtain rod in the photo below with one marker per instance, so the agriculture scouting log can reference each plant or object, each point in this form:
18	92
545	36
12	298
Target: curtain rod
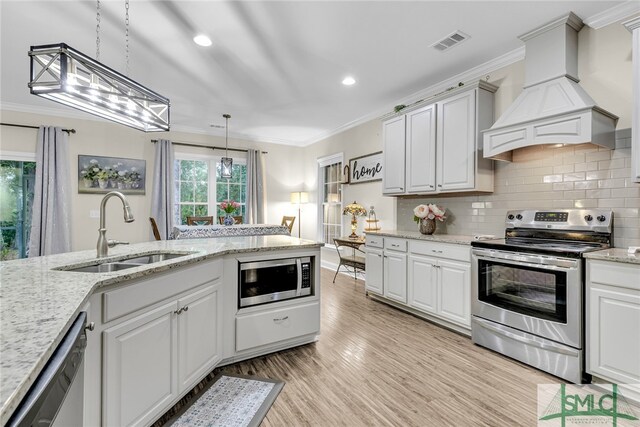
185	144
34	127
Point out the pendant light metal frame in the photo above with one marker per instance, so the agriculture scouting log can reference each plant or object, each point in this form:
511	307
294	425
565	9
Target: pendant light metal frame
226	161
65	75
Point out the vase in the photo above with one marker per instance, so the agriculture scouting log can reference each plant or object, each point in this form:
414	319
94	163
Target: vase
103	183
228	220
121	185
427	226
88	183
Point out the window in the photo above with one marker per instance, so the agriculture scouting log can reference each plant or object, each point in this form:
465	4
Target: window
17	178
199	192
330	198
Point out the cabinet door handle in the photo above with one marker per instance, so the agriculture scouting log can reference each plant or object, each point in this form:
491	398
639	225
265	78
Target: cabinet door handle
90	327
439	185
281	319
431	186
178	311
185	308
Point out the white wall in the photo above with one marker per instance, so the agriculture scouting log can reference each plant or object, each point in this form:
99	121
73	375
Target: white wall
100	138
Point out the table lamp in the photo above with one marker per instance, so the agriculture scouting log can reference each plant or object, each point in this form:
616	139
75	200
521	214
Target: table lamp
299	198
354	209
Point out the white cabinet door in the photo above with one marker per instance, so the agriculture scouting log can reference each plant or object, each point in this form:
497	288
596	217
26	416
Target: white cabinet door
393	139
139	367
199	334
423	289
395	276
454	289
421	150
374	279
456	138
614	338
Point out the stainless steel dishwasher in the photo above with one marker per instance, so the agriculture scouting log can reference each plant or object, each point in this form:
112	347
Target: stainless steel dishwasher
41	404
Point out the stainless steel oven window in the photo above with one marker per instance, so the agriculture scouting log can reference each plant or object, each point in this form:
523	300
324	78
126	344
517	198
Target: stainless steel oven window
527	290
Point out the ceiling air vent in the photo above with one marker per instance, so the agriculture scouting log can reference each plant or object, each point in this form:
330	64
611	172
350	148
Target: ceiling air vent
450	41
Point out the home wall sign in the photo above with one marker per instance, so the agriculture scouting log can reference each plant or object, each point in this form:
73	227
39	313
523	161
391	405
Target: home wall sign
366	168
98	175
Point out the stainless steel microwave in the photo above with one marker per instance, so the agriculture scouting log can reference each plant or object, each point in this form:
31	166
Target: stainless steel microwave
274	280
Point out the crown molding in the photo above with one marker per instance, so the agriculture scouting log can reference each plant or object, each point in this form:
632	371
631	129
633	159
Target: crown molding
612	15
471	74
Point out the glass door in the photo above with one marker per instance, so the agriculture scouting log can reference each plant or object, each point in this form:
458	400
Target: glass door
535	292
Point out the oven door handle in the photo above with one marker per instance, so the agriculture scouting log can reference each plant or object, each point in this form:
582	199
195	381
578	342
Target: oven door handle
552	265
299	275
547	345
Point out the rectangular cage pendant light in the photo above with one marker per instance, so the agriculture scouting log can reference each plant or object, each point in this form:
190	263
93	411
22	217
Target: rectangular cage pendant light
227	167
65	75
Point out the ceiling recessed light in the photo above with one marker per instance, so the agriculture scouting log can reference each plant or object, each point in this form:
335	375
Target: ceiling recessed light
348	81
202	40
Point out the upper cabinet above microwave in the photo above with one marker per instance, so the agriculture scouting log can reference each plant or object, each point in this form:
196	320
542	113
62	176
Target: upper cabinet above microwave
436	147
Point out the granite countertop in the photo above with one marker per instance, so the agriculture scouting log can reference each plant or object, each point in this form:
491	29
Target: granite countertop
39	304
442	238
615	255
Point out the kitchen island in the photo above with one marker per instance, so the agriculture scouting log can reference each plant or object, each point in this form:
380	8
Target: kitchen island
39	302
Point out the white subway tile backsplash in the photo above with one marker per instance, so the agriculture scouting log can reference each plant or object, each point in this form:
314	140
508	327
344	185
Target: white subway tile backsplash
545	177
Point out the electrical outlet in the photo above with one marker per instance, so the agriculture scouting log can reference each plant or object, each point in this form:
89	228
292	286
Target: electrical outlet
94	213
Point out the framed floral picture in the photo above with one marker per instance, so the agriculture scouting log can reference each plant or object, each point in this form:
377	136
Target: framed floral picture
97	174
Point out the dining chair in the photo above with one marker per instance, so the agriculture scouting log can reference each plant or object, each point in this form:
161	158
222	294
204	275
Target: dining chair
200	220
288	221
239	219
154	228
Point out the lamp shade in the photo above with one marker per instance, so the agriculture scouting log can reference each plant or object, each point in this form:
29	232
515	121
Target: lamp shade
354	209
299	197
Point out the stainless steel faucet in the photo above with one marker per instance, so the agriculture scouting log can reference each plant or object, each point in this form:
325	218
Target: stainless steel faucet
103	243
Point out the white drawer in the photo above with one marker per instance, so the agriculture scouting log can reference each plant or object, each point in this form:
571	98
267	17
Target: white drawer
375	241
137	295
614	273
392	244
441	250
257	329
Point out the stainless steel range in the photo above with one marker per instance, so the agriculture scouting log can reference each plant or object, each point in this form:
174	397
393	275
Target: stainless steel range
528	288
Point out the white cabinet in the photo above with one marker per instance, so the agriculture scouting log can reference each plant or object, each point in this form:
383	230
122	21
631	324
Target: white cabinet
421	150
454	286
393	135
395	276
139	367
456	142
437	148
440	287
160	337
634	26
423	283
374	263
613	322
427	278
199	335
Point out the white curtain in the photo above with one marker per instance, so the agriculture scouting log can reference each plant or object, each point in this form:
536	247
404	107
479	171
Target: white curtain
50	222
256	189
163	188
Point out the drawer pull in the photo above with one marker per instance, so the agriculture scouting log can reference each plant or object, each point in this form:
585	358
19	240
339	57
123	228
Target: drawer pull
436	252
395	246
281	319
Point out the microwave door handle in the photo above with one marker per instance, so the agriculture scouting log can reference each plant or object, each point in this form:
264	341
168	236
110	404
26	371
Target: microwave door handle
299	269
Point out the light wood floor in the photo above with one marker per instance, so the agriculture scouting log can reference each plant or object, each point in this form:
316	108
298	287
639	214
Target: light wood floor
375	365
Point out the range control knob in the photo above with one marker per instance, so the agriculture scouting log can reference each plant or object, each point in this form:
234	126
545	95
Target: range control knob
518	216
601	218
510	216
588	218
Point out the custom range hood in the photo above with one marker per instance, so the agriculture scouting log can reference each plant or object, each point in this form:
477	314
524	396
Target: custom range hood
552	108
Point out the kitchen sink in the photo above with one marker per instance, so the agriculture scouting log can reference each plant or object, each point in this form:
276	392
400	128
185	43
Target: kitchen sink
107	267
152	258
123	264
